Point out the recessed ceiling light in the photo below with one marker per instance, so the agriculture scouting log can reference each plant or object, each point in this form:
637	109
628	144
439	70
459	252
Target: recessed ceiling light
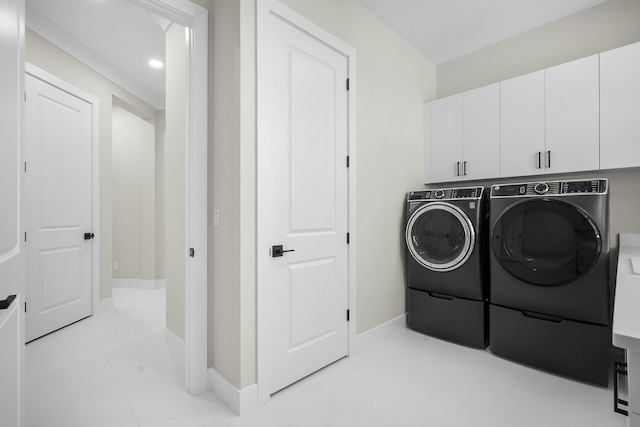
155	63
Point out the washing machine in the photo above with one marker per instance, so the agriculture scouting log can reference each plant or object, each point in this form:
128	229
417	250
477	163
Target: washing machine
446	264
549	268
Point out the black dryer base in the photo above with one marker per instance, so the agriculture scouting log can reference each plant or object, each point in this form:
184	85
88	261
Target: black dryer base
575	349
458	320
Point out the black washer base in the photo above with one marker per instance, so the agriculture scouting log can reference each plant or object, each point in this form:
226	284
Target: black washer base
575	349
454	319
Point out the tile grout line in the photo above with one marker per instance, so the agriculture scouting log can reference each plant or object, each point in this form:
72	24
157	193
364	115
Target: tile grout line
115	376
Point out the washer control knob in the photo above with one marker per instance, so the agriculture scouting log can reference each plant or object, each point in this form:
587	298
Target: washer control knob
541	188
439	194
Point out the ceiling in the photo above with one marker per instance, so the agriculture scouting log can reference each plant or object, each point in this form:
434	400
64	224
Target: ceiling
446	29
117	38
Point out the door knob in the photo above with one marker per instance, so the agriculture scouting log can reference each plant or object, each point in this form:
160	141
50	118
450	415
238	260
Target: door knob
89	236
278	251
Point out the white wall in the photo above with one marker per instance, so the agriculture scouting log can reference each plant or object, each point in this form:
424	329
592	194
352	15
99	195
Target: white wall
393	82
612	24
174	177
134	196
160	223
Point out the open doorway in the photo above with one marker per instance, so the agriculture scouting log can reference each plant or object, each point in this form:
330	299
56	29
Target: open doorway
191	308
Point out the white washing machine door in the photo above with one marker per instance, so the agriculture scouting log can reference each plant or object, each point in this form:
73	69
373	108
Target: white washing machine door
440	236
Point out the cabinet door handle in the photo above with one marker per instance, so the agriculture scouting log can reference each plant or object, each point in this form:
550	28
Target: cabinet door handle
457	168
539	155
549	158
464	168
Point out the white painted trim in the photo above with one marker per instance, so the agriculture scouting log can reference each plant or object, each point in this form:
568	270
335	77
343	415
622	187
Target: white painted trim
63	85
139	283
195	19
241	402
265	8
377	334
196	302
56	35
175	344
103	305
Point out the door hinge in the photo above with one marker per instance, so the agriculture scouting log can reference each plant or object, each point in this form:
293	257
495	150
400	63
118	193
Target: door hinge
347	84
25	236
25	167
348	238
348	160
348	315
25	306
192	252
25	96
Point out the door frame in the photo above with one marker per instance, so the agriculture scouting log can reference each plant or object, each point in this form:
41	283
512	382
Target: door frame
196	20
96	304
266	8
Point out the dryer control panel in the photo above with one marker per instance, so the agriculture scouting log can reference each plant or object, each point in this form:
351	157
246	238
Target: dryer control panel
447	194
550	188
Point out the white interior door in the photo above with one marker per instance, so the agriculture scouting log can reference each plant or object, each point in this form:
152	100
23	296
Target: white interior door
304	189
58	208
11	249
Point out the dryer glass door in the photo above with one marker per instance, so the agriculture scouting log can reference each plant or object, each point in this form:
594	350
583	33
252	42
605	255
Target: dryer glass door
440	236
546	242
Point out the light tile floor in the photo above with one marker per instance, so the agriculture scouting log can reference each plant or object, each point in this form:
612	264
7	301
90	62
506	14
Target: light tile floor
113	369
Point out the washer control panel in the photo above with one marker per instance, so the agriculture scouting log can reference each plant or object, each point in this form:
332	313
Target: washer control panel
447	194
551	188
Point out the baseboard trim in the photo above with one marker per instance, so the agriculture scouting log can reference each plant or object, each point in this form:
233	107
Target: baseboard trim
241	402
139	283
103	305
175	344
377	334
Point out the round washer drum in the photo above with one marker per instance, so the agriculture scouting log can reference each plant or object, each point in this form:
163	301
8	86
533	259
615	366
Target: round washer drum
440	236
546	242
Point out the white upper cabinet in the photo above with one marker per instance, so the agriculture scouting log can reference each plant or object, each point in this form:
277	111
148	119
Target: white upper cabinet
446	139
462	138
522	125
620	107
481	133
580	116
572	116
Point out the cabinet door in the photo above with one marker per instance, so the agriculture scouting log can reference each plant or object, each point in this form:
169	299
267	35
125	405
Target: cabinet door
620	107
446	139
572	116
522	125
481	133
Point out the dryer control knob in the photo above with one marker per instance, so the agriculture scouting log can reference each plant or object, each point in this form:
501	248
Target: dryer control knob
541	188
439	194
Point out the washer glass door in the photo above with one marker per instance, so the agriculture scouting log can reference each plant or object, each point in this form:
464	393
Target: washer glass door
545	242
440	236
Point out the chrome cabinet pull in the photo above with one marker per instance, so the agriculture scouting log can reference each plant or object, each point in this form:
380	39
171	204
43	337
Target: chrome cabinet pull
464	168
457	168
539	155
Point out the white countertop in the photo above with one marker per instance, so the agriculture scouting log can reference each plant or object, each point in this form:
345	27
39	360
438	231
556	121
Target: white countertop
626	311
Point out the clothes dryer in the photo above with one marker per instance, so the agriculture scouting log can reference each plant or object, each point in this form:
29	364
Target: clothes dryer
446	264
549	267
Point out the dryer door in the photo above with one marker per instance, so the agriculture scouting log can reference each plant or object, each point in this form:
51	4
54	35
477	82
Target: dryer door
545	242
440	236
